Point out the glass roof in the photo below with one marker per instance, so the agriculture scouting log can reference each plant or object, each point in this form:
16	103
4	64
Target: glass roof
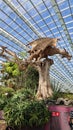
22	21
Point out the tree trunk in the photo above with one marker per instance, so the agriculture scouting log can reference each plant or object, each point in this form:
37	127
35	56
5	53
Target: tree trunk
44	88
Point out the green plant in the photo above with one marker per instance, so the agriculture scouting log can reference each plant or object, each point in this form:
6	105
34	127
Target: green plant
67	95
37	114
12	75
4	90
3	102
17	79
31	78
56	90
23	110
12	69
23	95
5	95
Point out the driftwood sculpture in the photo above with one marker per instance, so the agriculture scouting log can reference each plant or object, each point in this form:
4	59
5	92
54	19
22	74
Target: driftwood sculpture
44	47
50	51
41	48
42	43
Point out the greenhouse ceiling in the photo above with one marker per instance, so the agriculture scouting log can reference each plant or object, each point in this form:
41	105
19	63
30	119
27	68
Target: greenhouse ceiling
22	21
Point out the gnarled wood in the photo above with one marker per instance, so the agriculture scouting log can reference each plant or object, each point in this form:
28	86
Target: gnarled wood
49	51
41	48
44	88
42	43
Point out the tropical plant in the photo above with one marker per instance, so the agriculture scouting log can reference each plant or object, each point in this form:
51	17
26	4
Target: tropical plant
5	95
16	79
11	75
23	95
58	93
31	78
66	95
12	68
56	90
26	113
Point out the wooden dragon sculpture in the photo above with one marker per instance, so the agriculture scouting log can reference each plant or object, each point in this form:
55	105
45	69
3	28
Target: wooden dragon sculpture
41	48
44	47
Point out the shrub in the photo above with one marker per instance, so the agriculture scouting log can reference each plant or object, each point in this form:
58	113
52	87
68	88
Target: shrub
31	78
56	91
22	95
5	95
12	69
4	90
66	95
24	111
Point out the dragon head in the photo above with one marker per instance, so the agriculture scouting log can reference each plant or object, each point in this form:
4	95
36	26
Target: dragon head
66	54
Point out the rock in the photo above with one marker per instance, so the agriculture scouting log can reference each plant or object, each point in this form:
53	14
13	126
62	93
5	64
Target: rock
3	125
70	102
64	101
61	101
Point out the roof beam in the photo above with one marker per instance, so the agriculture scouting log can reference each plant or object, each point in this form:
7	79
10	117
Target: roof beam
61	74
64	85
12	38
13	7
56	8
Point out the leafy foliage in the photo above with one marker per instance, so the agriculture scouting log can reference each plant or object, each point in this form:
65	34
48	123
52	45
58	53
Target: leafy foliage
31	78
5	95
11	75
37	113
26	113
12	68
4	90
56	91
16	79
66	95
23	95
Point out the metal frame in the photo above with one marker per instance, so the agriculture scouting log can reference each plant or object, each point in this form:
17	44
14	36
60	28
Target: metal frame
56	8
12	38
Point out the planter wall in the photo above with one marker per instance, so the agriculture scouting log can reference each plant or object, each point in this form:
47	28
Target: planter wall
59	122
